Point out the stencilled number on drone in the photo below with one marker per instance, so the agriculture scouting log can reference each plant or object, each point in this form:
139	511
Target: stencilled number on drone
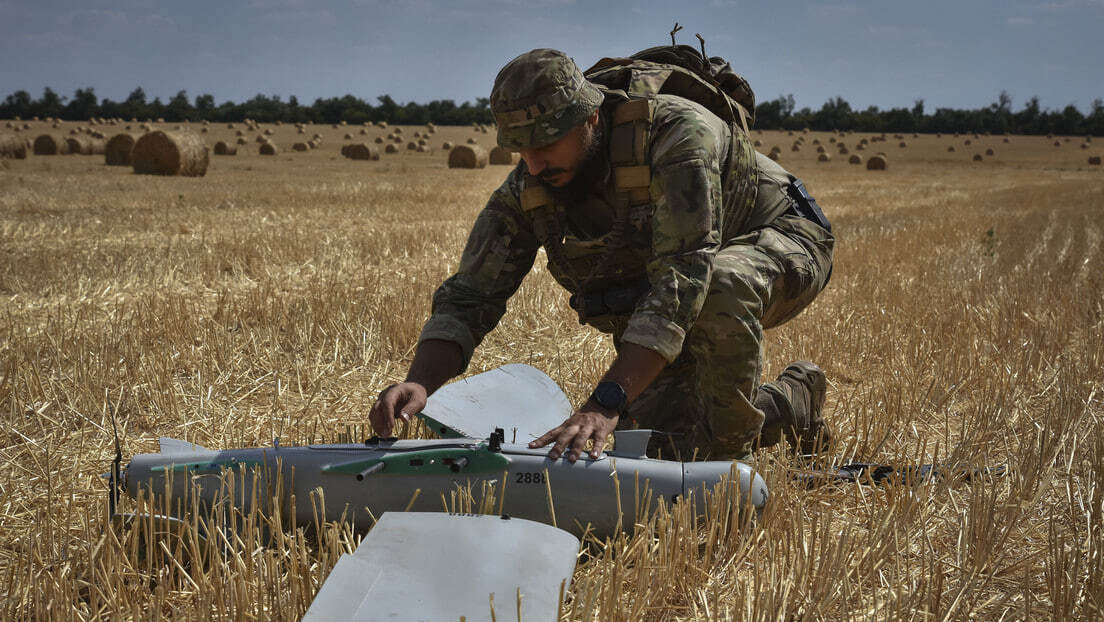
530	478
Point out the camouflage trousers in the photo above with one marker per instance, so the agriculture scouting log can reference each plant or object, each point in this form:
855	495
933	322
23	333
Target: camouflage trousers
706	399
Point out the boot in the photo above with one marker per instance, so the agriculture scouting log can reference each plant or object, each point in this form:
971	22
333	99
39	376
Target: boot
792	406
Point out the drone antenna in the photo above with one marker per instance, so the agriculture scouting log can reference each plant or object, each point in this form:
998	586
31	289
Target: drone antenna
705	59
113	494
676	29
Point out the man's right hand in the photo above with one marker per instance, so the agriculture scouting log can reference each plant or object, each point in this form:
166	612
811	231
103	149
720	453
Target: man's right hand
403	400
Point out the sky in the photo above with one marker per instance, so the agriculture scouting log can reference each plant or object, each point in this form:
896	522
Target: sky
884	53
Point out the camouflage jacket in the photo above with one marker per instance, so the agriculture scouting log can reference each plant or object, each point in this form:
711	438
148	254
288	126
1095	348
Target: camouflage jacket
698	204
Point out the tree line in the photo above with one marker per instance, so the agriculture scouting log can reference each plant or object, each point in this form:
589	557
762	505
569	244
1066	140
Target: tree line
776	114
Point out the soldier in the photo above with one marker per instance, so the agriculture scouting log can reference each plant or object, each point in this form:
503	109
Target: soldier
671	233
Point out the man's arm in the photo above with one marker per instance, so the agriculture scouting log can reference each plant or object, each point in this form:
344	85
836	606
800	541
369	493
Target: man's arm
435	363
634	369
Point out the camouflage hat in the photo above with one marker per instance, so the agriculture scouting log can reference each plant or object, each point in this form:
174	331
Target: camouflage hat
539	97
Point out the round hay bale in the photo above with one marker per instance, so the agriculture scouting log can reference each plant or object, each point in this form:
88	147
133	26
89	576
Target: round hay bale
1084	145
1094	160
117	150
379	140
758	143
269	132
260	139
795	147
171	153
391	148
314	144
301	131
242	141
203	130
951	149
301	147
85	145
446	145
824	157
316	137
382	125
902	144
1057	143
968	142
360	151
12	147
425	149
989	152
877	163
855	159
775	155
820	149
348	136
268	149
816	141
391	136
398	130
977	157
398	140
224	149
843	150
500	156
412	146
467	156
472	141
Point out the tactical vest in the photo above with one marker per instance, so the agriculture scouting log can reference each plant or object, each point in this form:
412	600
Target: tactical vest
607	275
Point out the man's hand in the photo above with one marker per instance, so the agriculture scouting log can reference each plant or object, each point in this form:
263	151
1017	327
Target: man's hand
396	401
591	422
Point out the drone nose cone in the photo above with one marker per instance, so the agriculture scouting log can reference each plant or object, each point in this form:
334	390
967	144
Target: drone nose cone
704	476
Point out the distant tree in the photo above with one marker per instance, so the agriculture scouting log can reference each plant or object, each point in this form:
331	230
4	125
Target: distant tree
18	104
135	106
178	108
50	104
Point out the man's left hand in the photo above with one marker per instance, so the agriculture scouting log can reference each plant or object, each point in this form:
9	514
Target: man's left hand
591	422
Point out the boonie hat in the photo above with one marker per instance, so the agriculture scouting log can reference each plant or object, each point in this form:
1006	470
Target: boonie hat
539	97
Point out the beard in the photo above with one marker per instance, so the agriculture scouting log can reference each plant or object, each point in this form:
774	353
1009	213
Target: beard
590	169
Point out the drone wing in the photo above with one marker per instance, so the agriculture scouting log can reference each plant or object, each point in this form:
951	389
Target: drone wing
520	399
436	566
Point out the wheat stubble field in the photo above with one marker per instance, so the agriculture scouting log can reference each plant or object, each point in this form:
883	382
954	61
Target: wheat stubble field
275	297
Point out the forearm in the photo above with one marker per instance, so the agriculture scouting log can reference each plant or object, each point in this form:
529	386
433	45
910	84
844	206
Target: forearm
635	368
435	362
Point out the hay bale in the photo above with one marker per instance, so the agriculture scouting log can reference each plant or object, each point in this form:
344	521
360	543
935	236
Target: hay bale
467	156
775	155
117	150
877	163
425	149
171	153
758	143
301	147
379	140
261	139
12	147
951	149
1094	160
224	149
902	144
446	145
977	157
391	148
796	147
968	142
502	156
268	149
472	141
360	151
412	146
855	159
824	157
989	152
85	145
50	145
398	130
242	141
1057	143
1084	145
314	144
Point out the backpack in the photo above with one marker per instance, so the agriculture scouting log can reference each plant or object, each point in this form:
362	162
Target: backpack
683	71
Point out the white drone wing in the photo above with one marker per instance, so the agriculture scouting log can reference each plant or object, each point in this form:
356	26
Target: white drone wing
520	399
417	566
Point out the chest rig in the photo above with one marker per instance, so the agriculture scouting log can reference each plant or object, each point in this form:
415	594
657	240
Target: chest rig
605	274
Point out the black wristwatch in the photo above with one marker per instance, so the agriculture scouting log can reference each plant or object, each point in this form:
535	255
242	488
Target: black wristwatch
610	395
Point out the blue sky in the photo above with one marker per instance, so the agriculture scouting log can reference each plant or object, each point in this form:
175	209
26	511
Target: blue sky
951	53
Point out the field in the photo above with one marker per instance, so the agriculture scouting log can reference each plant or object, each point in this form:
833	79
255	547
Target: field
276	296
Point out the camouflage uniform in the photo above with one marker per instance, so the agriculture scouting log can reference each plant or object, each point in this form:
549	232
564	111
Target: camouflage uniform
713	231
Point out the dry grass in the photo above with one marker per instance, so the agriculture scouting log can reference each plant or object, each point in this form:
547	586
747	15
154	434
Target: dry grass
277	295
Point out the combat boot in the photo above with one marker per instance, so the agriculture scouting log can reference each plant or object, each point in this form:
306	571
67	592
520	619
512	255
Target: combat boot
793	406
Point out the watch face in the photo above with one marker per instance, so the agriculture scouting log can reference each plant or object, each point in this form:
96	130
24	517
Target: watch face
610	395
